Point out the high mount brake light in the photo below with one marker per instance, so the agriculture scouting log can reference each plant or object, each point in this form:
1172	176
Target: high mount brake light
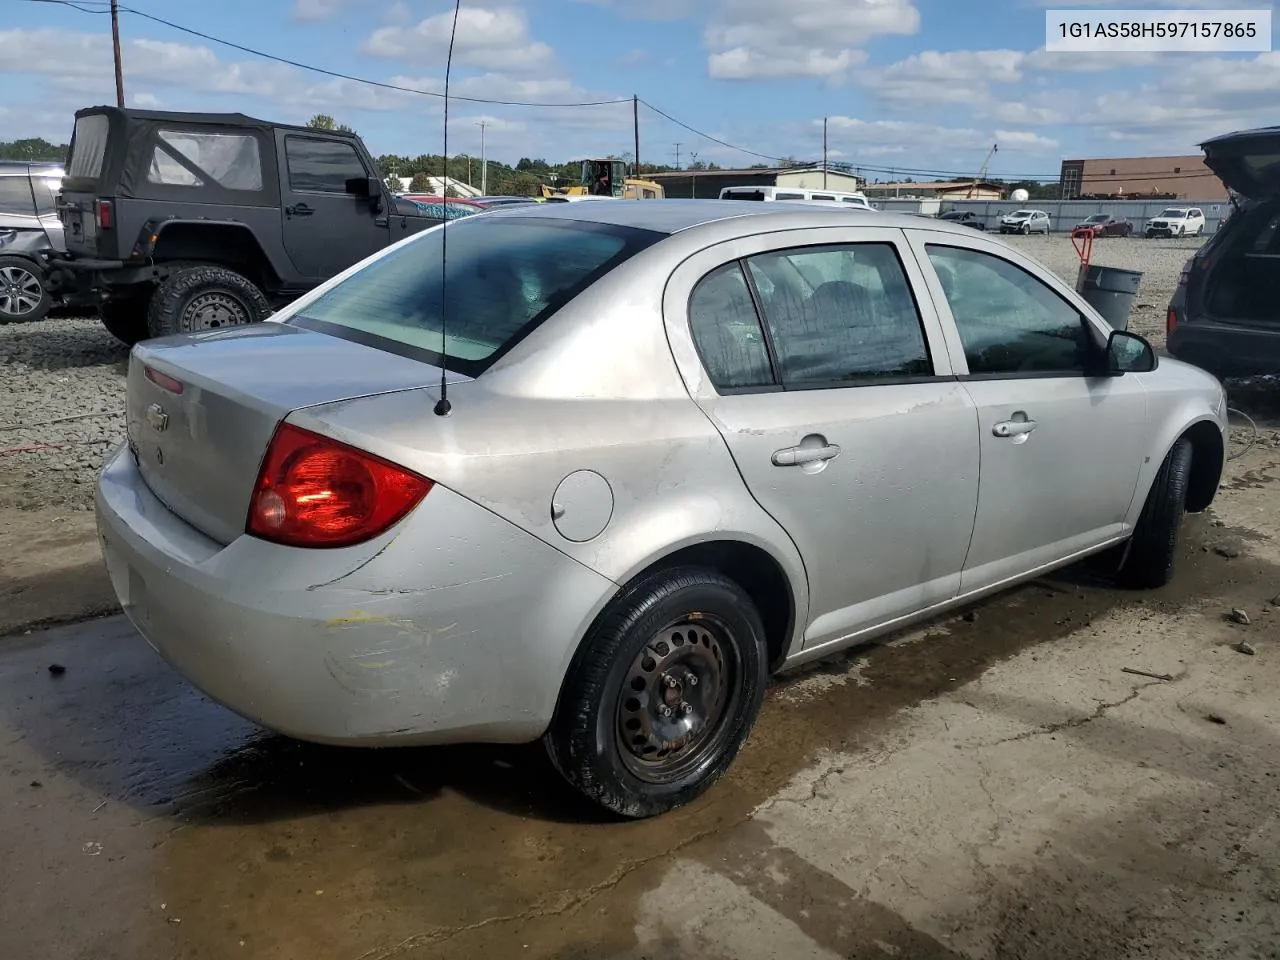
313	491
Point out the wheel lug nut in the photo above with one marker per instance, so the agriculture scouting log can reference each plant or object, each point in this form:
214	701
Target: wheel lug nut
687	708
671	682
692	681
665	711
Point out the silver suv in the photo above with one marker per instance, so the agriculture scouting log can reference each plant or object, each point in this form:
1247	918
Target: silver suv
29	230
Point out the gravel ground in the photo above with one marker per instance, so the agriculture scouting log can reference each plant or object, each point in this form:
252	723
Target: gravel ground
70	370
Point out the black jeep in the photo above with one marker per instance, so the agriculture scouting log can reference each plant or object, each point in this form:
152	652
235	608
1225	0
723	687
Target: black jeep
177	222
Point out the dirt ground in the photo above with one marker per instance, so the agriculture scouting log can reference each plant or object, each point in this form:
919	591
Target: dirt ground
991	786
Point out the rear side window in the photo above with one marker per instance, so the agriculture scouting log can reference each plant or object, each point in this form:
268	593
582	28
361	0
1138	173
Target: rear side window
321	166
788	196
504	278
183	158
840	314
15	197
727	331
88	147
46	189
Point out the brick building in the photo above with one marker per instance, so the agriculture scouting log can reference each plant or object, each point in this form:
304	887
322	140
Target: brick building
1180	178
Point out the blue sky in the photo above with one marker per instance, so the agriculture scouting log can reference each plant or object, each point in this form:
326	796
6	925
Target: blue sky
919	84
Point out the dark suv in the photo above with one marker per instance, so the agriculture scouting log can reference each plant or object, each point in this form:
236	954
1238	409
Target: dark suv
1225	313
29	233
177	222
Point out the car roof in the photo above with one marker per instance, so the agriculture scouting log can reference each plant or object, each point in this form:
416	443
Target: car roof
37	167
674	216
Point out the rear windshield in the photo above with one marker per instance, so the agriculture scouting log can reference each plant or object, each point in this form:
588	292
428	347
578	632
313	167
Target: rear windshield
505	276
88	147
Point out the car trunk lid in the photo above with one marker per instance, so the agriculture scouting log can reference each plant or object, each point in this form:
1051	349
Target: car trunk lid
202	410
1248	162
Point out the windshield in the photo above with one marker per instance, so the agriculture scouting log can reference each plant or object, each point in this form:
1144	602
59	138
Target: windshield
1021	213
1098	218
1173	212
505	276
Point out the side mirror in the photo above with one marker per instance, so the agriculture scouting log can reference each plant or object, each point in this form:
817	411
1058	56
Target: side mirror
364	187
1129	353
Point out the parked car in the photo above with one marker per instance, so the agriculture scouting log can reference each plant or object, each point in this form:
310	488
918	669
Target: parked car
1176	222
964	218
189	221
502	201
1025	222
1104	225
29	232
686	444
1225	313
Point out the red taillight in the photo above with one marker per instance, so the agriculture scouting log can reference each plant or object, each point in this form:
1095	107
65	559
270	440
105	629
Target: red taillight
104	215
163	380
316	492
1170	321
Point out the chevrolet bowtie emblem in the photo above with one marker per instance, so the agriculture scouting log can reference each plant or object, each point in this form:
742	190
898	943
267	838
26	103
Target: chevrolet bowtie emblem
156	416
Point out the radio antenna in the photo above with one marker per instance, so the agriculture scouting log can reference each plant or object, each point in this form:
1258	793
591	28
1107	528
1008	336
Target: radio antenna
443	406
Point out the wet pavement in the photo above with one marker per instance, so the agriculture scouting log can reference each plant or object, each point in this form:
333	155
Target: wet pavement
992	785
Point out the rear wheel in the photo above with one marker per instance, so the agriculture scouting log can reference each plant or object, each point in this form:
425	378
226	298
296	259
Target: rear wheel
663	693
205	298
1149	558
125	317
24	290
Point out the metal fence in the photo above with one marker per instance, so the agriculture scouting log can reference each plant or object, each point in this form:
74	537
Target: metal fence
1063	214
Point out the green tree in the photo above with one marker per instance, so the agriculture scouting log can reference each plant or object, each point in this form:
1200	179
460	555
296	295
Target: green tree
322	121
421	183
35	148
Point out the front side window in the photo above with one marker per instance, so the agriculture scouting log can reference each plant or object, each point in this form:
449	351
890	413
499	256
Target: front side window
726	330
1009	322
840	314
321	166
231	160
503	278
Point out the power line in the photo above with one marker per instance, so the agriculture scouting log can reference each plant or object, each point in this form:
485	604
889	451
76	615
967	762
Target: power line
322	70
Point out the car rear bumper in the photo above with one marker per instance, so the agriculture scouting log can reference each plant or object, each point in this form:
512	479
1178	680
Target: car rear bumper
1227	351
460	628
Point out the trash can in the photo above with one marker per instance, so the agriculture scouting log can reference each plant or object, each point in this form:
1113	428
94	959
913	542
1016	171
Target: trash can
1110	291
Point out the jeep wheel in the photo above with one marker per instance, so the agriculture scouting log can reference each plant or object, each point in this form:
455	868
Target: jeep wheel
24	294
126	317
205	298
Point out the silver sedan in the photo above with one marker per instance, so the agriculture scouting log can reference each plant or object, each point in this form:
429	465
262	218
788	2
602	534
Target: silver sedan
685	445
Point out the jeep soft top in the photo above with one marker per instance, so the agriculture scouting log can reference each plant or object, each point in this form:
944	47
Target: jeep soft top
185	221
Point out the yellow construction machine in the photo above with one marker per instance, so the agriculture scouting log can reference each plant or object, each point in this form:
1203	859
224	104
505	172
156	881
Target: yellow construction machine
606	178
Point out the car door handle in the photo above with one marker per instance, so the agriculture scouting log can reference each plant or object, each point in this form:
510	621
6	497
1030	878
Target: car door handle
799	456
1013	428
299	210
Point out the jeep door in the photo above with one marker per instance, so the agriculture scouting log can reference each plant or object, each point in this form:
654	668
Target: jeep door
326	228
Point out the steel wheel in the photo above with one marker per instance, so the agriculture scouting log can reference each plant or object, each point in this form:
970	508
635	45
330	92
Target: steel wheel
676	695
21	292
214	309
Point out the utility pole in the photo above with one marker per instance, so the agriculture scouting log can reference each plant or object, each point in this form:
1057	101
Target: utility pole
677	155
115	43
635	119
693	165
484	162
824	153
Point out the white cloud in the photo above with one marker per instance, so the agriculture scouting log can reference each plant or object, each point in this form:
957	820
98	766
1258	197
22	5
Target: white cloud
491	39
313	10
1024	141
398	13
1162	4
749	39
958	76
657	10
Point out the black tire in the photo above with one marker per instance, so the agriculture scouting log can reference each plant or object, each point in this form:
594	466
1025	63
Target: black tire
204	298
24	291
126	317
1148	561
667	627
